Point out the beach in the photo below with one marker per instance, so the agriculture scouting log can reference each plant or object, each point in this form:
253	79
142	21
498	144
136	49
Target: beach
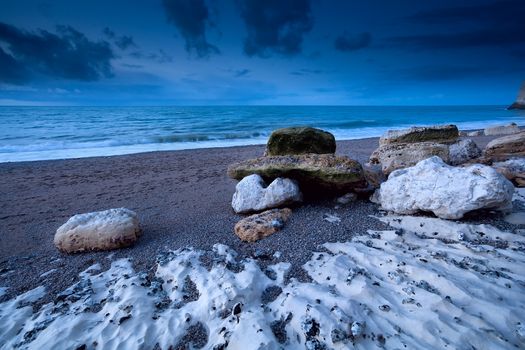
183	200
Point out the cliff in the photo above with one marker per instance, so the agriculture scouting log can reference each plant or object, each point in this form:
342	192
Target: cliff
520	101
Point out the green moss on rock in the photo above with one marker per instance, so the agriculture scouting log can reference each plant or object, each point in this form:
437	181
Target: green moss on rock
438	133
300	140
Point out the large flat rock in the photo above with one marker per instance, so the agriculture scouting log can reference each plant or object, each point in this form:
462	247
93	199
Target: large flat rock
312	171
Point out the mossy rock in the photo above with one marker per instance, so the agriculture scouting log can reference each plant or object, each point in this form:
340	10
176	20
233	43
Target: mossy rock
438	133
314	172
300	140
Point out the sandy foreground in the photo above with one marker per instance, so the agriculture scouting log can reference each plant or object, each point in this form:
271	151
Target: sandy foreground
370	280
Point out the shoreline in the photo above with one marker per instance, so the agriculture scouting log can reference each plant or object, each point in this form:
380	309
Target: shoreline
142	148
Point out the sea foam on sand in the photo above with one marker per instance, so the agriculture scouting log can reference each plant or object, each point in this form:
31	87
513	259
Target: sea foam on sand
428	283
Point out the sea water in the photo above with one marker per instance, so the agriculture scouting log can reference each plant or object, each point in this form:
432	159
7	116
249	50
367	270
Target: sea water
39	133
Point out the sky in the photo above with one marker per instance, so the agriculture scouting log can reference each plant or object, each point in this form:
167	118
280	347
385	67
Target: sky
261	52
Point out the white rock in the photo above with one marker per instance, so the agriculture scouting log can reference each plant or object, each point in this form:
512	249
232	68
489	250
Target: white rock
251	194
101	230
447	191
502	130
463	151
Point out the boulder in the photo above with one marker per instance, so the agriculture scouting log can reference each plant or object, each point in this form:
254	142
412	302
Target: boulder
437	133
398	156
101	230
300	140
510	129
258	226
325	172
513	170
506	147
448	192
251	194
463	151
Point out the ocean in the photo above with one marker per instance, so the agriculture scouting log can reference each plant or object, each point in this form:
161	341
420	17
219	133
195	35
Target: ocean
40	133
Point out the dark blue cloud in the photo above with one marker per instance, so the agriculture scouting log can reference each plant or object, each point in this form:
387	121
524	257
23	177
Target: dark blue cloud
191	17
123	42
68	54
11	70
496	24
275	26
347	42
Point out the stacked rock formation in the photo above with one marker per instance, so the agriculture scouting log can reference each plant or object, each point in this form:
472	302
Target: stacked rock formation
291	157
296	158
400	149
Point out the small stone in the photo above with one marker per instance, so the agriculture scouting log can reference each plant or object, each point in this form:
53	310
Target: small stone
258	226
334	219
347	198
384	308
357	329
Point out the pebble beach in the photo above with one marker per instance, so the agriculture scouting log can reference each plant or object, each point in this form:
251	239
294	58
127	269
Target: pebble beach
183	200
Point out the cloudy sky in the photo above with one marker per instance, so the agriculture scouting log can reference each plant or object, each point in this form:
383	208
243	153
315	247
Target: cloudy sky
260	52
